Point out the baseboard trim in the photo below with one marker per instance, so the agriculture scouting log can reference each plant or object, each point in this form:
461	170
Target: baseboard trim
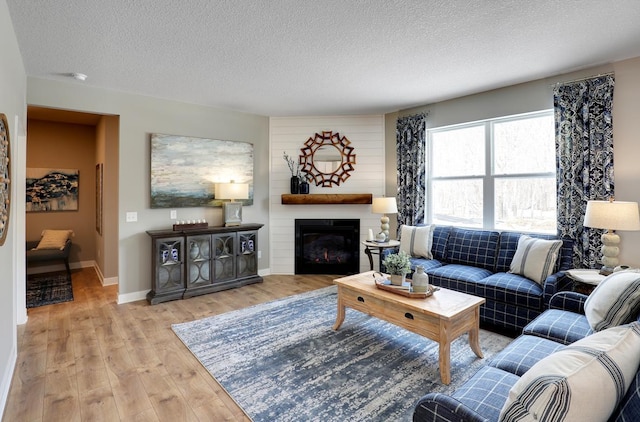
5	385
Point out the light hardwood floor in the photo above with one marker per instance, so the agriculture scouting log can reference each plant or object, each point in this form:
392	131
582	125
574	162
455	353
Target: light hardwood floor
95	360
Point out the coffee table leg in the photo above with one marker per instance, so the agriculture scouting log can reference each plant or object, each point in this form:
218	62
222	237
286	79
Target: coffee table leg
445	361
444	353
474	336
340	315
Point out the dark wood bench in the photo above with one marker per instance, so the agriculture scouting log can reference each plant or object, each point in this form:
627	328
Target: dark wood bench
45	255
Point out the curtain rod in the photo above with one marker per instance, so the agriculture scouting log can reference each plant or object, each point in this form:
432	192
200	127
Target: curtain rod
583	79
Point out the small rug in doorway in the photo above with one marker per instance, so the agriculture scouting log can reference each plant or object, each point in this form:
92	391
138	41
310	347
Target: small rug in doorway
282	361
47	289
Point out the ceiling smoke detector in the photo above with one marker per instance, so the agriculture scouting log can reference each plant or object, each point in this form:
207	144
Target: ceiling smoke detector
79	76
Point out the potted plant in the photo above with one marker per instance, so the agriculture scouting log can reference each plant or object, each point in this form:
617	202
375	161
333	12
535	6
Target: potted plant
397	265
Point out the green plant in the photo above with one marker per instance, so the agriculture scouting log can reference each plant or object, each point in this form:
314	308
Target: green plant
397	263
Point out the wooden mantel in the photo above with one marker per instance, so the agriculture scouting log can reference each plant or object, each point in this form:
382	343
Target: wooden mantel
326	198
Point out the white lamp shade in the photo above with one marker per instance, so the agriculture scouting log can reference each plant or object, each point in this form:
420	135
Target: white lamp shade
384	206
232	191
612	215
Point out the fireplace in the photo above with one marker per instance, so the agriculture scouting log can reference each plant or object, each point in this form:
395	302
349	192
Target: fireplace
327	246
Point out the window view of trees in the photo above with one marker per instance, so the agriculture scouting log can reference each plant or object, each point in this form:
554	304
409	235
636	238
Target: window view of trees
497	174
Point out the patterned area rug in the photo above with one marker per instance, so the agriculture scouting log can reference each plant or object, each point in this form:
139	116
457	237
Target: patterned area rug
47	289
281	361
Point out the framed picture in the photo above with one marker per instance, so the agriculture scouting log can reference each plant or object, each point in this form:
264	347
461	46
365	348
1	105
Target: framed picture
99	198
52	189
184	170
5	178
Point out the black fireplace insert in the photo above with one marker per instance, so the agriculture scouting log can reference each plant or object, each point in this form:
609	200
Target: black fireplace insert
327	246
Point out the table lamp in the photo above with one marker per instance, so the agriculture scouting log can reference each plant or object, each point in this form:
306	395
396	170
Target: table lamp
232	210
611	215
384	206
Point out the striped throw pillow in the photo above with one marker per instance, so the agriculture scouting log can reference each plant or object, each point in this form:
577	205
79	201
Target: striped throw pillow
585	381
417	240
535	258
615	301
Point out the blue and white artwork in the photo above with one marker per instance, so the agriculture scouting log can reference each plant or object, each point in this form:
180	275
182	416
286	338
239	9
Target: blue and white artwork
184	170
52	189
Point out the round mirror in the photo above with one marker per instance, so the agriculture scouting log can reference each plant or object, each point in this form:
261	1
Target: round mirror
327	159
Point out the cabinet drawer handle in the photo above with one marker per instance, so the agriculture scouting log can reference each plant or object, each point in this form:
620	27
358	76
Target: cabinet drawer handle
360	299
408	315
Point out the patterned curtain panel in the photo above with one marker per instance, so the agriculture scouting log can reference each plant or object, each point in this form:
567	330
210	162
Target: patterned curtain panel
411	133
584	159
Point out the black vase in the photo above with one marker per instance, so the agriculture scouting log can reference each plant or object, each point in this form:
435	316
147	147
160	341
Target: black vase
295	184
304	187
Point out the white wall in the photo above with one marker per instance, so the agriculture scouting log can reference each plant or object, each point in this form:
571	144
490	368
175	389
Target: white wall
12	103
288	134
139	117
538	95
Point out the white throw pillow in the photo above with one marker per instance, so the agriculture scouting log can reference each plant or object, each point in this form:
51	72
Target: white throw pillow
615	301
583	382
535	258
417	240
54	239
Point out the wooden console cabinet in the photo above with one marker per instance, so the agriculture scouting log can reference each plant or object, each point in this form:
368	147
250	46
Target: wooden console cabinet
199	261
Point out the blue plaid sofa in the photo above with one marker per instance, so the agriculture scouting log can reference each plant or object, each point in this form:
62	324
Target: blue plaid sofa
482	397
478	261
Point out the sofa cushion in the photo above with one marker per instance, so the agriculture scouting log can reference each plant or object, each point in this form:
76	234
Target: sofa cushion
416	241
524	352
563	385
54	239
440	240
629	407
462	278
509	244
615	301
508	316
476	248
427	264
486	391
561	326
535	258
511	288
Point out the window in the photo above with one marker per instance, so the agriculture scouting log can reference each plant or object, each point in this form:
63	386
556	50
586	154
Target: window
494	174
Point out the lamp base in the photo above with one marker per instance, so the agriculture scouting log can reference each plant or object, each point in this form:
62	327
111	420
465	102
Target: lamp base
384	227
232	212
610	251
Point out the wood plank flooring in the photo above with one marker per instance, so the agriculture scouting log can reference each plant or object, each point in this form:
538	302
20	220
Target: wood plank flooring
94	360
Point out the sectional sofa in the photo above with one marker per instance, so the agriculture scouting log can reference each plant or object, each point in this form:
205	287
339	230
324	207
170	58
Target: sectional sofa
478	262
578	361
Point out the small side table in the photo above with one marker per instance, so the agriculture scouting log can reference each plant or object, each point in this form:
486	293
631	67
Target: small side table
585	280
372	247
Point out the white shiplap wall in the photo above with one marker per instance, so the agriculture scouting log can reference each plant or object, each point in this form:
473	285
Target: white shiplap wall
288	134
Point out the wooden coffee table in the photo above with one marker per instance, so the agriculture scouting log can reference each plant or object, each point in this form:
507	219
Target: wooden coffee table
442	317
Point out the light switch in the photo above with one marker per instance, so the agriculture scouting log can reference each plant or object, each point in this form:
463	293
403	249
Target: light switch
132	217
174	214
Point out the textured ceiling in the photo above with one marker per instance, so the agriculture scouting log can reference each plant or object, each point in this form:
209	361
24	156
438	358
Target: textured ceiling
319	57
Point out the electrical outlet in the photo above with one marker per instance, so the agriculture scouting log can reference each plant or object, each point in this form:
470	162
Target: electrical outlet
259	254
132	217
174	214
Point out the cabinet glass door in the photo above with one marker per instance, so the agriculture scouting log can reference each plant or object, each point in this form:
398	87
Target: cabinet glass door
224	264
199	260
247	255
169	268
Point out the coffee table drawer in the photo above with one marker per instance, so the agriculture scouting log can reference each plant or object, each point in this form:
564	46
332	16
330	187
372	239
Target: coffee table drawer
400	315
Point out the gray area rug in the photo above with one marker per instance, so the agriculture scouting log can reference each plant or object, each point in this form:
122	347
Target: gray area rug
281	361
47	289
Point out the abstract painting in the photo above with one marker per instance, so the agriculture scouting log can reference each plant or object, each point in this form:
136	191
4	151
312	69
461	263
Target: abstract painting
184	170
52	189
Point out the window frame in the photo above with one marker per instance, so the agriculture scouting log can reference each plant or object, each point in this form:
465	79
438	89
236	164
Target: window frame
489	177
